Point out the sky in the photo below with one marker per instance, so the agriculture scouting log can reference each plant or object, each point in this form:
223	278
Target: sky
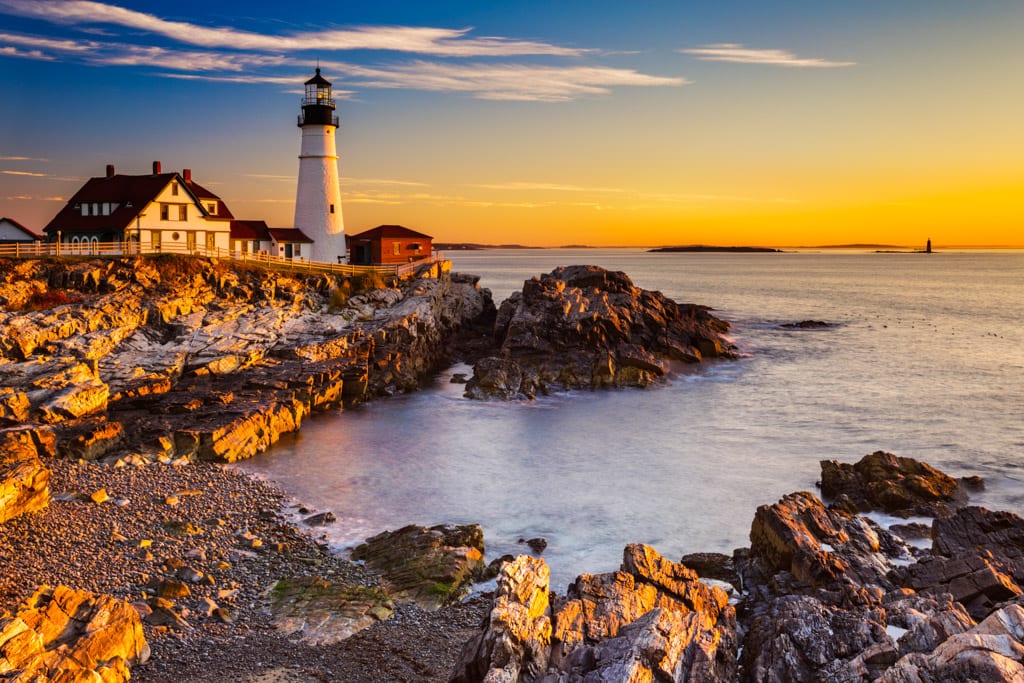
787	123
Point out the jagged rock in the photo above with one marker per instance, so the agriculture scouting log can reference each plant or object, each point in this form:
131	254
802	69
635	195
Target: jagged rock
993	652
894	484
927	619
587	327
976	579
24	480
322	612
820	546
652	620
515	646
975	528
61	634
430	566
91	439
797	638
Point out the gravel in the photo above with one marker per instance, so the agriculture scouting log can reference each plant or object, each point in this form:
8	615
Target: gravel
223	530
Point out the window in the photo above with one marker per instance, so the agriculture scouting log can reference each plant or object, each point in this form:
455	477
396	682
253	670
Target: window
298	250
85	209
332	208
174	188
183	212
211	207
95	208
397	248
165	212
106	208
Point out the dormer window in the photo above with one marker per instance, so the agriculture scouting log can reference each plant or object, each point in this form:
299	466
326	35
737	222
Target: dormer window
85	209
212	207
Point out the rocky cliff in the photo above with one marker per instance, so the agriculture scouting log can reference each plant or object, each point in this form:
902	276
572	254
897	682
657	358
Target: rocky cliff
176	357
586	327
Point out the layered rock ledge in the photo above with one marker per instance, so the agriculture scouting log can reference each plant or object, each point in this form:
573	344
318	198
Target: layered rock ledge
586	327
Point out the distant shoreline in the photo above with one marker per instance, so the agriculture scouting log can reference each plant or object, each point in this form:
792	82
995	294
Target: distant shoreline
870	248
706	248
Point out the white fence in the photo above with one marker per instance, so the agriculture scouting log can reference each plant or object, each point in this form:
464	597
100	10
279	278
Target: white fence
88	248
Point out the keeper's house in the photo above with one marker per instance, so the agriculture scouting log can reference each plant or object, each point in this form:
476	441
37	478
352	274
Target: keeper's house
161	211
388	244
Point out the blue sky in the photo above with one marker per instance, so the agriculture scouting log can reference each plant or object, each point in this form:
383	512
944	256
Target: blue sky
601	122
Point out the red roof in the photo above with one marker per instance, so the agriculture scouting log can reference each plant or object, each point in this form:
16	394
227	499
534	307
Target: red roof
131	193
29	233
292	235
249	230
201	192
388	231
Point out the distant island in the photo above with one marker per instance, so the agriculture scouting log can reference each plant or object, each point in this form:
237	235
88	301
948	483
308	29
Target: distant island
470	246
708	248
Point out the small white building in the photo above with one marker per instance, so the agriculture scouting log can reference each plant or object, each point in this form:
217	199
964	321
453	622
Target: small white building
254	238
11	232
164	212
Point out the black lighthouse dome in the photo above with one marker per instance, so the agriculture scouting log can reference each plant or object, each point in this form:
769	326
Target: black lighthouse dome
317	105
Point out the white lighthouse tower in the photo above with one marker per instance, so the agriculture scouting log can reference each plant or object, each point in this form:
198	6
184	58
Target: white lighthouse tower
318	198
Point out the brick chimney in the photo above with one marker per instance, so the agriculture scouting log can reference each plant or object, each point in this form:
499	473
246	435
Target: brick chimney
110	170
156	168
187	175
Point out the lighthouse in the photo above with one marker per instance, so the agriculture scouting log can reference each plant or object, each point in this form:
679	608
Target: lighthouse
318	196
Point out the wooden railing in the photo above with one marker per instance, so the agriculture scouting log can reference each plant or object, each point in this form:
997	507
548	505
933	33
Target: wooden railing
41	249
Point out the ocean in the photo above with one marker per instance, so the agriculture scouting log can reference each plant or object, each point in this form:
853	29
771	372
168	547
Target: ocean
924	357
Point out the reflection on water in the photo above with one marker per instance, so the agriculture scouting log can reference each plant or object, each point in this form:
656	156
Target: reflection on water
925	360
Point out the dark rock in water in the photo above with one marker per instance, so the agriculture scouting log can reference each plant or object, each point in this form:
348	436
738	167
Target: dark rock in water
713	566
805	325
894	484
914	530
587	327
651	621
321	519
430	566
537	545
459	378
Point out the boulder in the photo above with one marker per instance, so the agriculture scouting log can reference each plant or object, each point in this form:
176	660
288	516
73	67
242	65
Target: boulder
587	327
432	566
69	635
24	479
321	612
883	481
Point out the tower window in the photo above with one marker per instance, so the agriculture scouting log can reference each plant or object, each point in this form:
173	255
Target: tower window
332	208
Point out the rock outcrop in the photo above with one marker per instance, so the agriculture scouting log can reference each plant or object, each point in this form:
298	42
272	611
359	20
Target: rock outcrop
188	357
24	479
587	327
652	620
322	612
62	634
431	566
883	481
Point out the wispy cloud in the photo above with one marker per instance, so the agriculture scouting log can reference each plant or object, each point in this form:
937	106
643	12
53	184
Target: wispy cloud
733	52
9	51
17	158
48	43
186	60
423	40
552	187
34	175
526	82
380	181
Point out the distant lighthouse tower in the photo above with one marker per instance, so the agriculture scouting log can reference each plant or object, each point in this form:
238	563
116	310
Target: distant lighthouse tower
318	197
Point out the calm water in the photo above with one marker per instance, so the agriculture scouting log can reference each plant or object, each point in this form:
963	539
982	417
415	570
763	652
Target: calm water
926	360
